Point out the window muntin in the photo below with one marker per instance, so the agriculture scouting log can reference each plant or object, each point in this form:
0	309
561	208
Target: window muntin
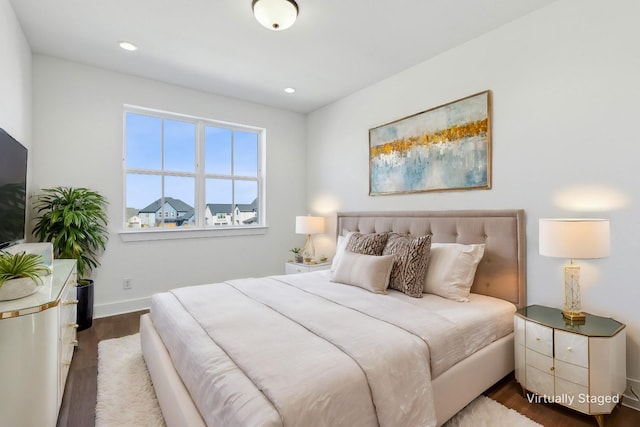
190	172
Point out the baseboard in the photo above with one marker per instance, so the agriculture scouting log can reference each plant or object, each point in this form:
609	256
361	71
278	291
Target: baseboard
120	307
631	397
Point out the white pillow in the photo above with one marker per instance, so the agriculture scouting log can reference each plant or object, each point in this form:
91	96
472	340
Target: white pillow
452	268
340	248
370	272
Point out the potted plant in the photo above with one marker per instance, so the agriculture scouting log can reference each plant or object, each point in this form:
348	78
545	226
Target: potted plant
297	254
74	220
20	274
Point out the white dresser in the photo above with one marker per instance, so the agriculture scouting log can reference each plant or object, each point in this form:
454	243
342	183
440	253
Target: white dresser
581	366
37	339
296	267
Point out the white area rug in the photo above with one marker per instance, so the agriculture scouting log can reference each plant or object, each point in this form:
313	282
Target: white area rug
125	394
485	412
126	397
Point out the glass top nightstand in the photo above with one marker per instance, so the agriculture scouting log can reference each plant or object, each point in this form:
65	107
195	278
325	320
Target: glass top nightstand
594	326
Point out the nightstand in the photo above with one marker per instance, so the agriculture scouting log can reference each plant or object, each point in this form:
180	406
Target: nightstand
294	267
582	367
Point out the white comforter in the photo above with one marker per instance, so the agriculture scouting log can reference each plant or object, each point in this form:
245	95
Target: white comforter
299	350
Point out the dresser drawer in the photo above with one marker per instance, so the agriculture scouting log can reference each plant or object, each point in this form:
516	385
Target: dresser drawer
67	346
539	382
539	361
293	269
572	348
68	310
573	373
539	338
573	395
68	328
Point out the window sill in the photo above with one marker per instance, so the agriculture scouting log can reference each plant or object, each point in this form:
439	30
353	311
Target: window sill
139	235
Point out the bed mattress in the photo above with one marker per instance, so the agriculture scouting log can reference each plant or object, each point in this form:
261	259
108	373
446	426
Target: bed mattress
301	350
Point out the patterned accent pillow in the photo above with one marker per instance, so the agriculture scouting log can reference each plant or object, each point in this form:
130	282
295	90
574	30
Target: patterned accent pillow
367	244
410	267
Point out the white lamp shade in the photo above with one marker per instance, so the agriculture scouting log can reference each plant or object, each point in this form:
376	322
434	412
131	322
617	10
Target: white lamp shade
574	238
309	224
275	15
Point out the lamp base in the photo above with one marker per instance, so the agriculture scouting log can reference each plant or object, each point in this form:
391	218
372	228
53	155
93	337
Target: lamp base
572	306
574	318
309	249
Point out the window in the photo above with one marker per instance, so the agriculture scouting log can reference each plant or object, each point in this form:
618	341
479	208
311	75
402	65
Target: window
183	172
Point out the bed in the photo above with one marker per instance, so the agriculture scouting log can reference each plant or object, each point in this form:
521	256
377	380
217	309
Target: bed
327	363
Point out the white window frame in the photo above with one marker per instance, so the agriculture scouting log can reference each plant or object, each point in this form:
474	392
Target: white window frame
200	229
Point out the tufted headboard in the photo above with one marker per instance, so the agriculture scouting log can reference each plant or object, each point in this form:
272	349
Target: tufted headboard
502	271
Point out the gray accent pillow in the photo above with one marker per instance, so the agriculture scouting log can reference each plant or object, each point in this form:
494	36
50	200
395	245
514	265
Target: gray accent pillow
411	260
369	272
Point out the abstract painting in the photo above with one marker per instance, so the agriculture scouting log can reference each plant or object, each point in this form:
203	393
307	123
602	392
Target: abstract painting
444	148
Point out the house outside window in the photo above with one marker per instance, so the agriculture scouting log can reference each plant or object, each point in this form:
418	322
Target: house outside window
186	172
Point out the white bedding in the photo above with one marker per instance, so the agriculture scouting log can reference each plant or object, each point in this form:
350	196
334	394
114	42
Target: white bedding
299	350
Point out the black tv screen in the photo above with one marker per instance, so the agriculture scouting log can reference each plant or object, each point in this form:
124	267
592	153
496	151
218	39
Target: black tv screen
13	189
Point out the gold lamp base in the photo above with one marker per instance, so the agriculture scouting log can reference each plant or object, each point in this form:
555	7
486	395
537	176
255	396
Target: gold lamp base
574	318
572	312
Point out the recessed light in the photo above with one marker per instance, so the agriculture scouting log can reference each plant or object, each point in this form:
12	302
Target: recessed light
128	46
289	90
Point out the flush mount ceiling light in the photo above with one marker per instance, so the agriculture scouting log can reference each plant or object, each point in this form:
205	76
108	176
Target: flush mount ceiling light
276	15
289	90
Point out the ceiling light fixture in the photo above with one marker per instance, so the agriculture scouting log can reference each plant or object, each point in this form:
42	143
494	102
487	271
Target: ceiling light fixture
128	46
289	90
276	15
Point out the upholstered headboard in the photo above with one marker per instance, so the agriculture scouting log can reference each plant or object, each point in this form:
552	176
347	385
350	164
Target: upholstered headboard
502	271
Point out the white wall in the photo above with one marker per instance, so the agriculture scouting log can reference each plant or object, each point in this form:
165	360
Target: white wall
15	77
77	140
565	83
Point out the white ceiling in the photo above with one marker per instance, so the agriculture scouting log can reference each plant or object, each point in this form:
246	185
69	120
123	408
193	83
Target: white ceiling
335	48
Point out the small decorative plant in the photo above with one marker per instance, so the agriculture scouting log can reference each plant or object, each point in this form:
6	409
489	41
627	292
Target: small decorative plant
22	265
297	254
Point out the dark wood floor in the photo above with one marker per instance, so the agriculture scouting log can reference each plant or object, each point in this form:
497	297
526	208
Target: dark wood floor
79	402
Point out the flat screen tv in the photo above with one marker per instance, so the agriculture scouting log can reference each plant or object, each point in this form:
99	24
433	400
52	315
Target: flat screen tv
13	189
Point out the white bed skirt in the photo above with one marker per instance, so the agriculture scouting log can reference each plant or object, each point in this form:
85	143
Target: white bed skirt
452	390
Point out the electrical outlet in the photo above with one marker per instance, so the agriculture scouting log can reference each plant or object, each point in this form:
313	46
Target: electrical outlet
126	283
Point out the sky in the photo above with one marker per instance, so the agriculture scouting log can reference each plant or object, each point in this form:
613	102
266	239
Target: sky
226	151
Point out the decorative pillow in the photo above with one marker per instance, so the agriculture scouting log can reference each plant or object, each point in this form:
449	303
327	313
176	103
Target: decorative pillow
369	272
452	268
340	248
411	259
367	244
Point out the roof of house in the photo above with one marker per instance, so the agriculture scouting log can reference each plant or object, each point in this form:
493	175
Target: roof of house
216	208
176	204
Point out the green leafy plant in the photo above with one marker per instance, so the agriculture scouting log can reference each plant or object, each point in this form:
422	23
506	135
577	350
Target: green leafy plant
21	264
74	220
295	250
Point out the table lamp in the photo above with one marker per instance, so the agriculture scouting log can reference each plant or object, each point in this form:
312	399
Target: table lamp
574	238
309	225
